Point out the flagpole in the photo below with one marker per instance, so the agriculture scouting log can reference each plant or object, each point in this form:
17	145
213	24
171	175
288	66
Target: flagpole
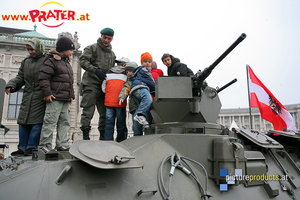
247	68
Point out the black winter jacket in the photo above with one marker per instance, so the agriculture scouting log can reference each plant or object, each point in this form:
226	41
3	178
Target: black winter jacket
179	69
56	77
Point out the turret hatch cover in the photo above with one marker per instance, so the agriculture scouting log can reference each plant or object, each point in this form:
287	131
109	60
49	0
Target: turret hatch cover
259	138
104	155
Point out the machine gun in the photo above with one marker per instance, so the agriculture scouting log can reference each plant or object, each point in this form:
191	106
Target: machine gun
227	85
190	100
200	76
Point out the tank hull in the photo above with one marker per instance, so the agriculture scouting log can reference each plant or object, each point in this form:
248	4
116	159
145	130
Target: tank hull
37	179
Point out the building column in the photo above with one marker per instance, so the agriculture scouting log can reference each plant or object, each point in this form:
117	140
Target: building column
260	123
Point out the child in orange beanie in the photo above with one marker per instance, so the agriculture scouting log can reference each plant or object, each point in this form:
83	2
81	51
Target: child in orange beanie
142	85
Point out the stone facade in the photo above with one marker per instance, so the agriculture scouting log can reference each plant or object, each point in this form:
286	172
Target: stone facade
242	118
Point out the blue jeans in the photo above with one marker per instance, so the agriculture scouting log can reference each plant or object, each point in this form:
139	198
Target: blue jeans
111	114
29	136
136	127
143	98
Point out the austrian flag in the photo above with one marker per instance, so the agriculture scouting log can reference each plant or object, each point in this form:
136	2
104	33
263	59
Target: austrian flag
270	108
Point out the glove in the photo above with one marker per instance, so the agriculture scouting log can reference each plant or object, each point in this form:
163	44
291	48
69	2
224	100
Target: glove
127	91
100	74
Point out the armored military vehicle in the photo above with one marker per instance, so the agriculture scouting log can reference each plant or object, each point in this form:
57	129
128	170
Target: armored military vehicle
185	154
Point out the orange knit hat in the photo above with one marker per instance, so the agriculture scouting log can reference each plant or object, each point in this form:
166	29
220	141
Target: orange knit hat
145	56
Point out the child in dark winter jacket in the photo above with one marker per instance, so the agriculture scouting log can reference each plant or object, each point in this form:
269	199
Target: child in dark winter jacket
142	85
175	67
56	82
112	86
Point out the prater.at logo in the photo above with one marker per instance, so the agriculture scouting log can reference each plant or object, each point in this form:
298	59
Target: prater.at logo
53	14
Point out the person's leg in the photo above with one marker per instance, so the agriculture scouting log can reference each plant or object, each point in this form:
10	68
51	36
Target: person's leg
136	127
63	126
145	101
24	132
144	98
110	123
34	136
102	115
121	124
50	120
23	140
87	104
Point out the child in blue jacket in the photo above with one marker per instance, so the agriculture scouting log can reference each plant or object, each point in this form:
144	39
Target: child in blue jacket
142	85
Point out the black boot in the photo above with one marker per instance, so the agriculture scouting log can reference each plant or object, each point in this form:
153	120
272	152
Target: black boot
86	134
102	137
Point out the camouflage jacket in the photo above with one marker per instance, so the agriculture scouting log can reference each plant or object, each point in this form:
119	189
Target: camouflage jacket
96	56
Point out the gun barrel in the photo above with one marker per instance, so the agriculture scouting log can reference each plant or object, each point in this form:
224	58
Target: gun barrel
227	85
239	40
206	72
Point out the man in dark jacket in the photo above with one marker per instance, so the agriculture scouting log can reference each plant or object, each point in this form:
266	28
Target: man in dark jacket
32	108
96	60
175	67
56	81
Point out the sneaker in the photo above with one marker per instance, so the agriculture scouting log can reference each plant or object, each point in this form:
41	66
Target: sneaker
63	148
146	127
28	152
19	152
140	119
45	149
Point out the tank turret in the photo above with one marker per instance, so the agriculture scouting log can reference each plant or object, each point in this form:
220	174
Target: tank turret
188	102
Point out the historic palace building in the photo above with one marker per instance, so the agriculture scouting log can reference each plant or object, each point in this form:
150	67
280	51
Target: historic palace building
242	118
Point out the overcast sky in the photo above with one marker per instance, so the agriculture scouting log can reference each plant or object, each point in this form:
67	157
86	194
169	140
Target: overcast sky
197	32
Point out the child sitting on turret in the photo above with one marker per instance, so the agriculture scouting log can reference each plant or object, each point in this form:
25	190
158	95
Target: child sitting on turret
175	67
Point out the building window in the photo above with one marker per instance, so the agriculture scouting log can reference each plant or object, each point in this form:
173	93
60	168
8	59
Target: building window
15	100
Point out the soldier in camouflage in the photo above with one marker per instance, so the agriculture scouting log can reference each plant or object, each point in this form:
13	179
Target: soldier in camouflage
96	60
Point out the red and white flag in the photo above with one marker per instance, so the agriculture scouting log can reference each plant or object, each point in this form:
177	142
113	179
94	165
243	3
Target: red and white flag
270	108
